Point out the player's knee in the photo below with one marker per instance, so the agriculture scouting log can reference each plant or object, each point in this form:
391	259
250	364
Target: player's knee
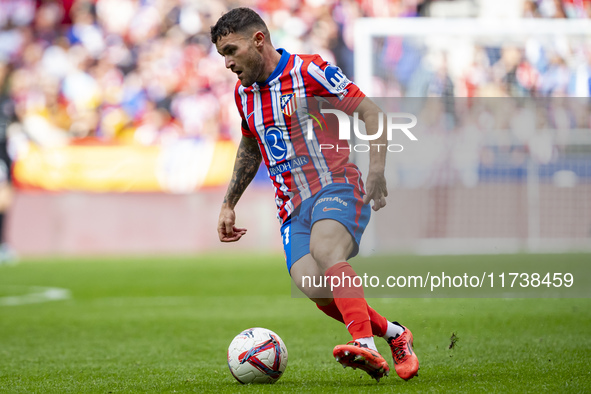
313	287
330	243
317	294
327	255
330	251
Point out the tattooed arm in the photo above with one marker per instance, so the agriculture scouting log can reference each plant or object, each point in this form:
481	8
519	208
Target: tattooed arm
248	159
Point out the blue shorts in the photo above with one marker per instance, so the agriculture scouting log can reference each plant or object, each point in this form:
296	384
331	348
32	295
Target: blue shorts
338	201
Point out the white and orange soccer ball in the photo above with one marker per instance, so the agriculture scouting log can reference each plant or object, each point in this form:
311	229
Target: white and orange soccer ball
257	355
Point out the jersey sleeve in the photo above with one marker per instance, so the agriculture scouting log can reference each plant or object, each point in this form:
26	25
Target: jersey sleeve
328	81
244	126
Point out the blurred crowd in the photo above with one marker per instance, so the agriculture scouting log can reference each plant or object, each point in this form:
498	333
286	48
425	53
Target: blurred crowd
145	71
530	65
535	67
557	9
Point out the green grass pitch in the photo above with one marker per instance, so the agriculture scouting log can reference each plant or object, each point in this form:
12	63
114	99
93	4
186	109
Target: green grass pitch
163	324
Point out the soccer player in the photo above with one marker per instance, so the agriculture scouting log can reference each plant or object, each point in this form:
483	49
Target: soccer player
7	115
322	205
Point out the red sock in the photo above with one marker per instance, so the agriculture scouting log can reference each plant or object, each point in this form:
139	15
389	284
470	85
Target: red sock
350	300
332	311
379	323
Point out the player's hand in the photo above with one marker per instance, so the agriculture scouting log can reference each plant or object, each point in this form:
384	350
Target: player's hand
376	190
226	229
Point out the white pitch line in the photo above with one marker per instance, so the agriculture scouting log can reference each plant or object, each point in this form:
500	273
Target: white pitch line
36	294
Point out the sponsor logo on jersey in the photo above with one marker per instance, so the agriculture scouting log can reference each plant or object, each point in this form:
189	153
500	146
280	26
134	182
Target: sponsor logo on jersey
288	165
336	79
289	104
331	199
276	143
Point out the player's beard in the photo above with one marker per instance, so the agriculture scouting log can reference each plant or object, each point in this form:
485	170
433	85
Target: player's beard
253	68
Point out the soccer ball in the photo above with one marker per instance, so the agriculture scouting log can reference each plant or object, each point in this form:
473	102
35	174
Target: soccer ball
257	355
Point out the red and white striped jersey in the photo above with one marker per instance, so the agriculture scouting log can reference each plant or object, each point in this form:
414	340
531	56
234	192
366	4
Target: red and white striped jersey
275	113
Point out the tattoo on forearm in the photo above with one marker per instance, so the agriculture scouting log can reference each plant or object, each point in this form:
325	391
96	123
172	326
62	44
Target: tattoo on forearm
248	159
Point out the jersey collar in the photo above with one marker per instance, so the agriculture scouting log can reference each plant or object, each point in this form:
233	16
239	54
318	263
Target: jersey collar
280	66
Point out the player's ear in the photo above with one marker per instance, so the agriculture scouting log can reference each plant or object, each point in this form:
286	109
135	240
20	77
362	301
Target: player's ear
259	39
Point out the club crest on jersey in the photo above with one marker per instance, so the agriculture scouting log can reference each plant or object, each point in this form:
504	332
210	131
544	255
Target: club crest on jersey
288	104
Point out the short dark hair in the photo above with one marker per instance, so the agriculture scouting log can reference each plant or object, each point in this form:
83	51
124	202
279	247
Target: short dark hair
237	20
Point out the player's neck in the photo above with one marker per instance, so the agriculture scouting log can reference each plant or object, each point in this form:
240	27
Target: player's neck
273	57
